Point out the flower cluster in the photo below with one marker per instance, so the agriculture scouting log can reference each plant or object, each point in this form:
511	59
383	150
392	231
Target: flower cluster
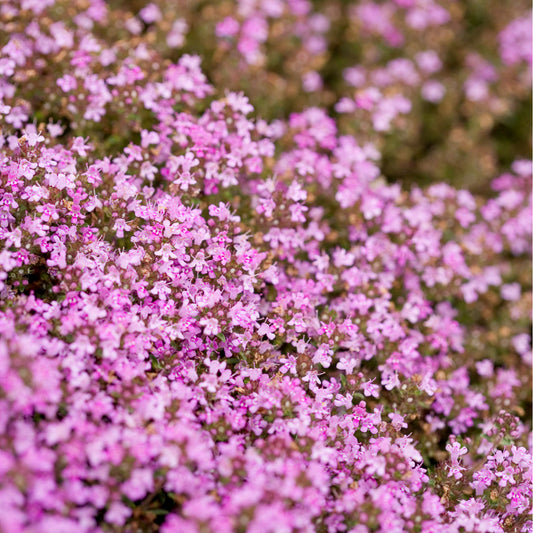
214	322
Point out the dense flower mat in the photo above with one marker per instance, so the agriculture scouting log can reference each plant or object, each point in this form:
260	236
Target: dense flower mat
216	322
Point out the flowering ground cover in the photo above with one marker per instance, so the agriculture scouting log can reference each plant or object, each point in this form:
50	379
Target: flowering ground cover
265	266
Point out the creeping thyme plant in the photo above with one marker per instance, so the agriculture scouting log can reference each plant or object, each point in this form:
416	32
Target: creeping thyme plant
265	266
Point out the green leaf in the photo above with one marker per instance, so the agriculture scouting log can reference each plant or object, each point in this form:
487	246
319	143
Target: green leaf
155	362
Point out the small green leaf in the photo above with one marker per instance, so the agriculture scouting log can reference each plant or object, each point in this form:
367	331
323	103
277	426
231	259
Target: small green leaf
155	362
128	502
159	511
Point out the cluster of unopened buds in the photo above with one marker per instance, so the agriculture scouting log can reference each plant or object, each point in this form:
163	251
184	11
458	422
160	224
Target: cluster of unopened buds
215	322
